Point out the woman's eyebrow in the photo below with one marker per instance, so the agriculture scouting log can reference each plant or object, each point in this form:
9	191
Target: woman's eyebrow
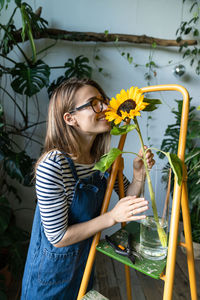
92	98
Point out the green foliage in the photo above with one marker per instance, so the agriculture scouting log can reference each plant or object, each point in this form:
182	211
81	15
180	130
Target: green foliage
117	130
176	166
152	104
6	44
17	165
4	2
78	68
27	78
30	79
107	159
190	28
74	68
192	159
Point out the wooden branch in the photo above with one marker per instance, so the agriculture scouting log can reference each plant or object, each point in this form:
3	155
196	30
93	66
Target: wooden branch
76	36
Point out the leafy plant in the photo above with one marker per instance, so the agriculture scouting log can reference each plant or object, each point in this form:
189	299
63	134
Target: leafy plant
192	160
78	67
26	78
16	166
190	28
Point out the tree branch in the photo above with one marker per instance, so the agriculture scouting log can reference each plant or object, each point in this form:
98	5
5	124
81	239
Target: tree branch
58	34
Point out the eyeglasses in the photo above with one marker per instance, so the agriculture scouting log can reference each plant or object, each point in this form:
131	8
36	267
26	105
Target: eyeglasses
95	103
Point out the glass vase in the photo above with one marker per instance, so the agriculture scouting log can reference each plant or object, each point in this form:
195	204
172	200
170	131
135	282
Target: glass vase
151	245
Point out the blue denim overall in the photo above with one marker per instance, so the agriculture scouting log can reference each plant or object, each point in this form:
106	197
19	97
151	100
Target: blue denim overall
56	273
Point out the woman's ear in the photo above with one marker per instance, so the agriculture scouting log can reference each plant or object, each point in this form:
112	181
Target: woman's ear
69	119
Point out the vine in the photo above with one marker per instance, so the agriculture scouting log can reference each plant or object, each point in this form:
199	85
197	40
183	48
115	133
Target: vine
190	27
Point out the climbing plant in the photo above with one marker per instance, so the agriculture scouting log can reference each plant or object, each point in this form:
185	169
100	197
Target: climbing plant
190	28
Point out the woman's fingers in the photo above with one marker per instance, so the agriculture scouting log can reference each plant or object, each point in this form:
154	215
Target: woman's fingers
129	208
139	204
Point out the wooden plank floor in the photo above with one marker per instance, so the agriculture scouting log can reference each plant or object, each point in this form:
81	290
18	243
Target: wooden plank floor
110	280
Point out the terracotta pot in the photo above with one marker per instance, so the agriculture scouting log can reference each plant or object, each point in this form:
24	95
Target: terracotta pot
196	247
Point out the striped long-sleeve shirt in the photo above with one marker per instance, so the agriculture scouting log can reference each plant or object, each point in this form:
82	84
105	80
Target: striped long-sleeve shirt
55	189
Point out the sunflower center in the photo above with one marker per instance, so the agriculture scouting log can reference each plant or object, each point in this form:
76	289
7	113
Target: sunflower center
126	106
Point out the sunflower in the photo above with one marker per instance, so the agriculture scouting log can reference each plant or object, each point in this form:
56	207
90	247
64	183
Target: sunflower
126	105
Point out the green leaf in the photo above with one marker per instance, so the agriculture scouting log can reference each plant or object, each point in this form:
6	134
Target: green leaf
198	107
152	104
107	159
196	32
123	129
30	79
179	39
78	68
176	165
154	45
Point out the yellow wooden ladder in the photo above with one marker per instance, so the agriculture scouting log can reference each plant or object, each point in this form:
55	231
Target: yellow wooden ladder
180	199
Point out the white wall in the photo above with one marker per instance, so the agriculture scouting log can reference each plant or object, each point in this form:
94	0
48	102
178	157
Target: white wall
157	18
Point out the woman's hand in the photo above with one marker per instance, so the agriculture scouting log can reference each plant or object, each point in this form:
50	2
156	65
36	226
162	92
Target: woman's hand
138	164
129	209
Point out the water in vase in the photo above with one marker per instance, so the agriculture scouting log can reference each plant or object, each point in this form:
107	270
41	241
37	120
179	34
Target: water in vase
150	245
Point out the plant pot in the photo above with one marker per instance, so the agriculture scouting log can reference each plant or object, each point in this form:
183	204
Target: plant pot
152	245
196	247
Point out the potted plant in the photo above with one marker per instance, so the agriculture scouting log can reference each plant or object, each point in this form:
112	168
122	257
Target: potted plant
26	79
192	161
14	165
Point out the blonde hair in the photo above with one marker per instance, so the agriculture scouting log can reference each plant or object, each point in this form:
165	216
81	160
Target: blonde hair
60	136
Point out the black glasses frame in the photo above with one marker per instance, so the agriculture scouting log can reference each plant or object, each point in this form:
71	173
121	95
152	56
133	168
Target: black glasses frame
89	103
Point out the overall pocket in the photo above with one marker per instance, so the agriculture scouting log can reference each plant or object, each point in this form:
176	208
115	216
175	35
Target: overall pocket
57	268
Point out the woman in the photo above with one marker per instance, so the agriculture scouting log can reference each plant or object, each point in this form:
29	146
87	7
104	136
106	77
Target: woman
70	192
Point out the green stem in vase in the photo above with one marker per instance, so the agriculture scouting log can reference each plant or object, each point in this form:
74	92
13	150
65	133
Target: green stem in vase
161	232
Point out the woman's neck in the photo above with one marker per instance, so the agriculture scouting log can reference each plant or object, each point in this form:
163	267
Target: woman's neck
85	156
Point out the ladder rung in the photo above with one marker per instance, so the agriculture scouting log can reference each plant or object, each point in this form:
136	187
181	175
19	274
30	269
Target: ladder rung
94	295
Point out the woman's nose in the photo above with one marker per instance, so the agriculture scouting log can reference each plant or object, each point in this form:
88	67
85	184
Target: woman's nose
105	105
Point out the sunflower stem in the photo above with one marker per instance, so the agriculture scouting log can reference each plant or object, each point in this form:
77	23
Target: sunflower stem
161	232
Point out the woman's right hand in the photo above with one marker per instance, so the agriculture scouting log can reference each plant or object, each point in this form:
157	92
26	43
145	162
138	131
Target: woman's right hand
129	209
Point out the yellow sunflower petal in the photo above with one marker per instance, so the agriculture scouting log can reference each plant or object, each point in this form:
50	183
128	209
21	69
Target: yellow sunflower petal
124	95
131	92
124	114
114	104
118	120
135	93
119	98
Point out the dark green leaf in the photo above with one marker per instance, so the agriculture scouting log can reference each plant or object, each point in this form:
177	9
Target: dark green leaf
187	52
152	104
196	32
179	39
187	31
78	68
106	160
7	39
30	79
123	129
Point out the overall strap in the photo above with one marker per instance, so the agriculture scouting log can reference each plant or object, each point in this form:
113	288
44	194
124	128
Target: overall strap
72	167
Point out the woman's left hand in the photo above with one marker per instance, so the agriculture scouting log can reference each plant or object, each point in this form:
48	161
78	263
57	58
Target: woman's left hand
138	164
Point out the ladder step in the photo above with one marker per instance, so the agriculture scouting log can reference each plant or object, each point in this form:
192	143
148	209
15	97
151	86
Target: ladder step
94	295
151	268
